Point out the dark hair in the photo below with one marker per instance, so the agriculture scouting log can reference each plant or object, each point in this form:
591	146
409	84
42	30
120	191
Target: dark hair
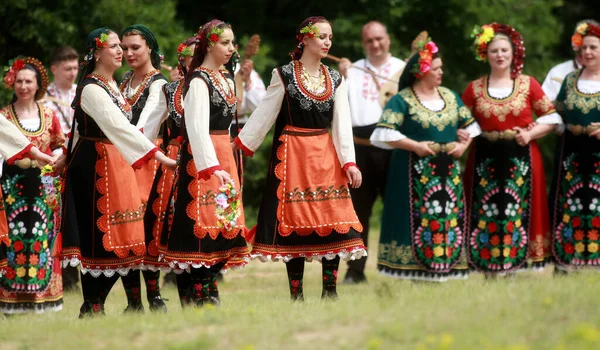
408	78
62	54
297	53
181	66
89	63
38	79
201	48
149	38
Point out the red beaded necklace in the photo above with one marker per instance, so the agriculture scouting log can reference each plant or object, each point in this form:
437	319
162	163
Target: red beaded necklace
229	93
140	89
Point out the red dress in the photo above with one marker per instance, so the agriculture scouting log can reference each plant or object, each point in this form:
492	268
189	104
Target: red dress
505	183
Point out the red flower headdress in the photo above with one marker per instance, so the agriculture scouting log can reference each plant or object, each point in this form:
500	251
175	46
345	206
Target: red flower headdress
583	29
10	73
426	50
210	32
485	34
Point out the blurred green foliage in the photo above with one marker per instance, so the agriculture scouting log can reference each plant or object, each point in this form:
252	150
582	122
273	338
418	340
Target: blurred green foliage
35	27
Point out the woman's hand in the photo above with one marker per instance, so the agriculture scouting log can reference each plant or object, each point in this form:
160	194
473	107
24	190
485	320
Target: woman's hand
422	149
59	164
595	133
41	157
523	136
354	177
166	161
458	150
223	176
463	136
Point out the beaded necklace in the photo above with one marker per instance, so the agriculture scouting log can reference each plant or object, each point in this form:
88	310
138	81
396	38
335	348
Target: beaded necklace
229	93
308	87
140	89
116	95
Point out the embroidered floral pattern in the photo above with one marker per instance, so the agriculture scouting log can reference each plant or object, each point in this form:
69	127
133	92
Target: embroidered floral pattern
514	104
223	93
437	204
29	255
576	100
174	94
449	115
116	96
321	100
500	242
577	237
318	194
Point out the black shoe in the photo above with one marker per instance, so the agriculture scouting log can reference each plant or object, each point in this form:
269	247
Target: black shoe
329	295
298	297
354	278
157	304
134	307
89	310
213	300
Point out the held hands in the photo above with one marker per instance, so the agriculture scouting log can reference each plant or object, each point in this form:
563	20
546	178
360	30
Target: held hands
223	176
166	161
42	158
458	150
463	136
595	133
422	149
354	177
344	65
523	136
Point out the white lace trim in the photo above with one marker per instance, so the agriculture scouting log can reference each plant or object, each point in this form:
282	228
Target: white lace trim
123	271
355	254
38	310
429	278
180	266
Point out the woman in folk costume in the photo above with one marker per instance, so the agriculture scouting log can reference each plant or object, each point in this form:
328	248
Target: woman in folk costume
576	202
103	210
142	87
14	146
424	226
195	239
161	194
33	277
306	212
509	218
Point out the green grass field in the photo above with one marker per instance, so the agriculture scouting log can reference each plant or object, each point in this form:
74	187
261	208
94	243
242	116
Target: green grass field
527	311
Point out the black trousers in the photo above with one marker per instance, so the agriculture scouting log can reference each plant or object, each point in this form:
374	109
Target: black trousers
373	163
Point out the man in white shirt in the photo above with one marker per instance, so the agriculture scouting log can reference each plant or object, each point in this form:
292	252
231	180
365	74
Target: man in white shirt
254	91
557	74
64	64
363	94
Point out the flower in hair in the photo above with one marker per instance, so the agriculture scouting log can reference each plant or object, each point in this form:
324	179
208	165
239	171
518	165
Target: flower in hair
212	35
10	72
102	40
184	50
426	52
577	38
309	30
483	35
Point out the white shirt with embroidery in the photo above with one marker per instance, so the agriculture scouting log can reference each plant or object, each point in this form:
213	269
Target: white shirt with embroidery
363	92
60	102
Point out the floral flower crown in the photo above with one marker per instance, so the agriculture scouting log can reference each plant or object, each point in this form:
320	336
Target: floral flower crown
582	30
485	34
184	50
100	42
212	36
15	65
229	206
426	50
309	30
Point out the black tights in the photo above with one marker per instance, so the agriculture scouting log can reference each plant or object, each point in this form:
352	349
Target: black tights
132	285
295	271
95	290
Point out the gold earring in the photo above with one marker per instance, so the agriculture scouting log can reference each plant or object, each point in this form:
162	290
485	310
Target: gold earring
97	58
